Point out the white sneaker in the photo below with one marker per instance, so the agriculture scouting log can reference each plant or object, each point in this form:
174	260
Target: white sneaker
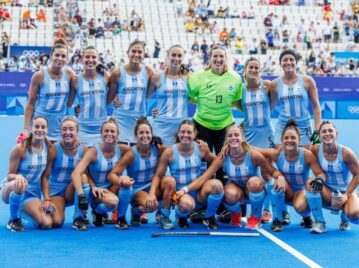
344	226
318	228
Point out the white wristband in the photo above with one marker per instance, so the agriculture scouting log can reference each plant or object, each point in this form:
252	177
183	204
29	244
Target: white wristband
185	189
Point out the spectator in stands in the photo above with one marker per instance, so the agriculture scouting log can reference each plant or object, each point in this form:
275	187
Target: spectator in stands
5	43
285	36
5	14
41	16
26	64
327	32
252	47
212	27
269	39
100	32
239	45
179	8
117	22
309	38
356	33
91	27
263	46
336	35
221	13
232	33
327	13
189	26
204	49
238	67
195	47
32	24
108	24
116	30
251	13
284	20
268	20
78	18
224	36
157	49
234	14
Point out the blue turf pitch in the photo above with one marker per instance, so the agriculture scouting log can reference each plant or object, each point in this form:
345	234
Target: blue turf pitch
109	247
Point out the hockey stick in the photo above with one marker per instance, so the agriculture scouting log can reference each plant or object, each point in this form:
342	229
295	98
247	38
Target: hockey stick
204	234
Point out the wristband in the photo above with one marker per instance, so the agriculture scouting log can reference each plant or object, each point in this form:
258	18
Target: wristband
47	199
185	189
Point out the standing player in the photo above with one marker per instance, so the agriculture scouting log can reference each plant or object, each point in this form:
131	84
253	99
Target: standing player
133	83
57	185
140	163
294	92
215	89
256	104
342	171
53	88
172	97
184	160
297	188
99	161
23	189
92	94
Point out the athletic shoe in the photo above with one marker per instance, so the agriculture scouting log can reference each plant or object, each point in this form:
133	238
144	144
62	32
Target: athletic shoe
266	216
15	225
79	224
307	222
318	228
344	226
97	219
166	223
253	223
113	217
86	219
236	219
211	223
276	225
135	219
122	223
225	216
144	218
286	218
197	216
182	223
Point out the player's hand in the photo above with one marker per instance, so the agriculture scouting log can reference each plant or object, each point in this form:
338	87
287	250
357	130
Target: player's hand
343	199
117	102
154	112
315	137
317	184
281	184
22	136
151	202
20	183
126	181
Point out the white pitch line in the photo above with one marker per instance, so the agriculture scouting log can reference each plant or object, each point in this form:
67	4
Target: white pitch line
288	248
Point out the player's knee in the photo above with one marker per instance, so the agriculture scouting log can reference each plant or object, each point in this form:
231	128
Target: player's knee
46	223
255	184
230	196
169	183
216	186
300	207
112	202
186	206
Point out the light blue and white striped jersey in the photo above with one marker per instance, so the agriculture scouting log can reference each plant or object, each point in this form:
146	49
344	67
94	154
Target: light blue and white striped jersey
91	95
172	97
296	173
256	106
31	167
293	100
132	91
100	169
53	94
240	174
337	172
143	168
63	166
185	169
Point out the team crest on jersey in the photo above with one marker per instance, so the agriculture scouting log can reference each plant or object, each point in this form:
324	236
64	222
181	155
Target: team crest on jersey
297	90
230	87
